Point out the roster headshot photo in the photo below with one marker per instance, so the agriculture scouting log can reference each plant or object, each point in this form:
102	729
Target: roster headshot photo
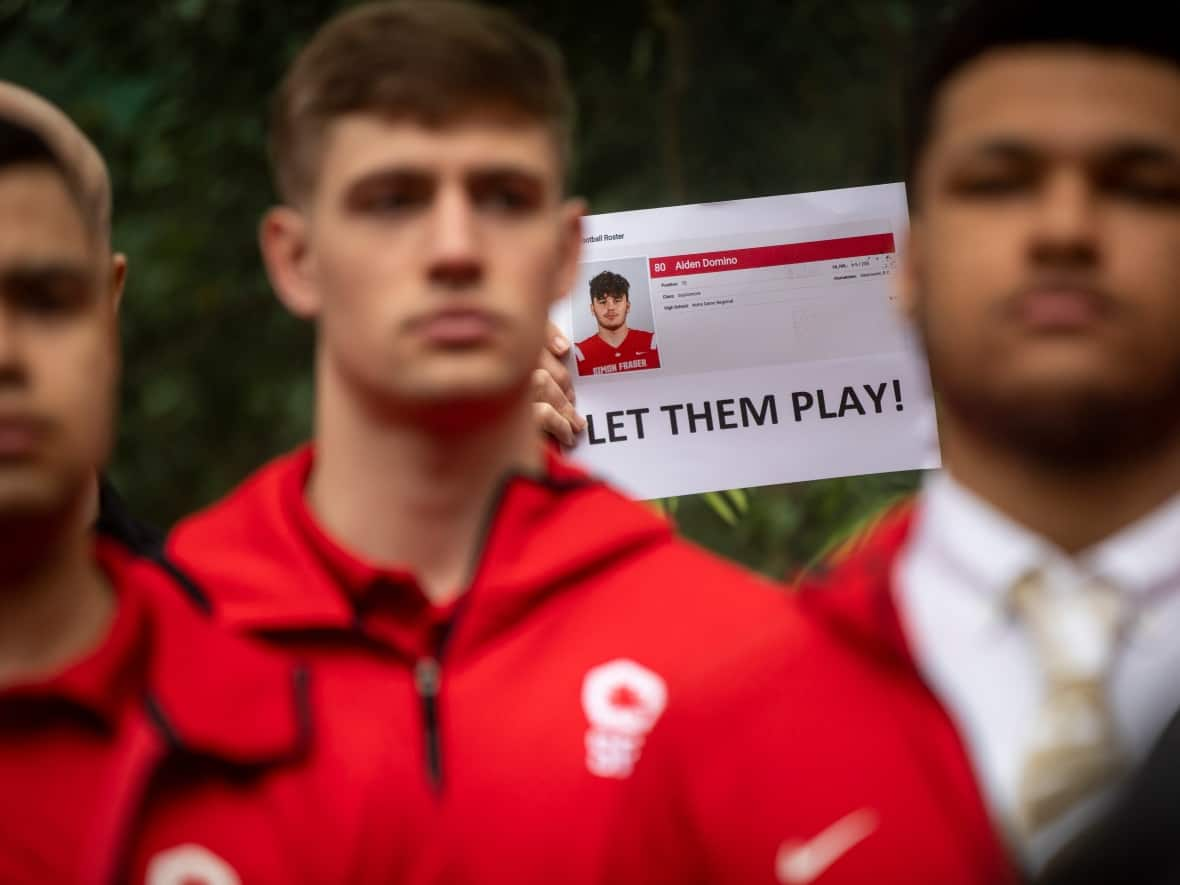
617	331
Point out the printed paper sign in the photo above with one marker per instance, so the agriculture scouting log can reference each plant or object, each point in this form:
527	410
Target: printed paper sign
730	345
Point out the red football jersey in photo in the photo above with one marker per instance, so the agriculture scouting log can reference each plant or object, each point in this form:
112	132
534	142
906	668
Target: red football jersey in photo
637	351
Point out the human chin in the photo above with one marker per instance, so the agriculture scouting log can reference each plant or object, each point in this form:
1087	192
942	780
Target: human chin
30	490
1063	365
1073	407
468	376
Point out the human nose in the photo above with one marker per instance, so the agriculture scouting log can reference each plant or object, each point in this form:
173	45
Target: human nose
12	365
454	239
1066	225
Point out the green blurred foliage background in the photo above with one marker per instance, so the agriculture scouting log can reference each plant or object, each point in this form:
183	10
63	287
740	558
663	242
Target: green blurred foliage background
680	101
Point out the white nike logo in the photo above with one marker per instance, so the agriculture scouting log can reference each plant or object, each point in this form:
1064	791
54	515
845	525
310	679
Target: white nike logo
800	863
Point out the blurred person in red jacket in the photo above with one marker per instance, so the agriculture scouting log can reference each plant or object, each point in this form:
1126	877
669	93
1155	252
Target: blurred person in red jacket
1001	651
138	742
516	627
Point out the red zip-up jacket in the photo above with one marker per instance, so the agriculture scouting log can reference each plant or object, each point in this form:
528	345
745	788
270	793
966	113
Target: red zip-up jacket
848	771
176	753
525	706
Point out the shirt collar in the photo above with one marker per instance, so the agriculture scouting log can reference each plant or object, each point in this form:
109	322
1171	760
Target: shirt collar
197	682
388	586
1143	558
979	542
353	574
105	678
369	585
992	551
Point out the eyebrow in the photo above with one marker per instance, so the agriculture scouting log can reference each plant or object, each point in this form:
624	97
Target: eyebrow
1139	152
421	174
1123	151
42	273
52	269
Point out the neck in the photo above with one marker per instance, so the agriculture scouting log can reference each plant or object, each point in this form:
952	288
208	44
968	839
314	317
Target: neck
613	337
1073	509
400	492
55	603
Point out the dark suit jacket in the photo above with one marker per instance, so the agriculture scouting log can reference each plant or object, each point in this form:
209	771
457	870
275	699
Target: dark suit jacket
1138	841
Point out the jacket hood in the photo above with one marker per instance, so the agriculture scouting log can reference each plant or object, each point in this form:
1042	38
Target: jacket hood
199	682
853	593
254	555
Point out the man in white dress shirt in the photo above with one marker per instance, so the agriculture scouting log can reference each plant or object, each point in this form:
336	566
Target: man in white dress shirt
1039	586
1003	650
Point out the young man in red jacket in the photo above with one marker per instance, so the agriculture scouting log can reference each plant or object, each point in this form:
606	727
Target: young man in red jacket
1000	652
138	742
517	628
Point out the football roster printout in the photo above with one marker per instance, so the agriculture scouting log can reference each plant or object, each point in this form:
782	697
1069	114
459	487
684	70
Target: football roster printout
730	345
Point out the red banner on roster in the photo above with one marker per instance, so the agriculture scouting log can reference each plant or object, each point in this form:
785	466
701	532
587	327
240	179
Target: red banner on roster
772	256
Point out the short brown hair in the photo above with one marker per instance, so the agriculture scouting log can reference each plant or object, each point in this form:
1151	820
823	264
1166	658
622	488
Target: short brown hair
432	62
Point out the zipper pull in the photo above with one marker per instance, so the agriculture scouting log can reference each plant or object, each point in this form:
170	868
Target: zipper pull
427	678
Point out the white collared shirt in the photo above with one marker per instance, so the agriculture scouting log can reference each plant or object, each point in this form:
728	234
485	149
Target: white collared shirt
952	581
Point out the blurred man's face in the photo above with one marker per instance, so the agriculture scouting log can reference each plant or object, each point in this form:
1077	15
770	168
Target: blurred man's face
431	257
1044	269
610	309
58	352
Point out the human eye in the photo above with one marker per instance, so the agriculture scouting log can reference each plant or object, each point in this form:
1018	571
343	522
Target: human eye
992	181
507	194
1147	188
47	296
392	195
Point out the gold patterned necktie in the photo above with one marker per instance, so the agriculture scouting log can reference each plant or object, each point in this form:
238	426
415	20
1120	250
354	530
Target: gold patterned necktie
1073	749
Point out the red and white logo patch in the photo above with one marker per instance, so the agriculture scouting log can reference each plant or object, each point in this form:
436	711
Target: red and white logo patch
622	700
190	865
